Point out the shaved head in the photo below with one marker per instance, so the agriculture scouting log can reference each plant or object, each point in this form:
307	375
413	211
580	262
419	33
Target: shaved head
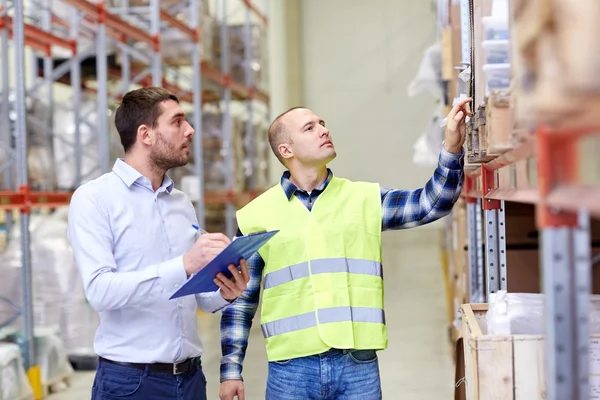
278	134
299	138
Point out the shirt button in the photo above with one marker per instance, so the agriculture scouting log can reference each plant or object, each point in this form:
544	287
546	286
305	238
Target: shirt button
177	285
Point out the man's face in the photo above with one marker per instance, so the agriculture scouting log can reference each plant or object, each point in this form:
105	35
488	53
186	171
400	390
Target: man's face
172	137
311	143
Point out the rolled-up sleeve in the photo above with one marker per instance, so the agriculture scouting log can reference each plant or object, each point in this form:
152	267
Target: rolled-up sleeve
90	236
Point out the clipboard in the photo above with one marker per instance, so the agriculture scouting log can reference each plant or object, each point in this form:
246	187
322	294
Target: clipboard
241	247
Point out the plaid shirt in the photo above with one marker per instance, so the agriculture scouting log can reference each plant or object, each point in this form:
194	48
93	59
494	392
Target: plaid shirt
401	209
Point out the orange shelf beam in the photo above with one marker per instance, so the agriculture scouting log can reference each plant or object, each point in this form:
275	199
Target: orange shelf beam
38	39
557	162
229	196
575	197
492	188
175	23
237	88
26	200
525	150
524	195
256	11
121	27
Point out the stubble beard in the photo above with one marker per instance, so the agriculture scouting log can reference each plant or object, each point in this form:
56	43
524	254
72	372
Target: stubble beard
166	156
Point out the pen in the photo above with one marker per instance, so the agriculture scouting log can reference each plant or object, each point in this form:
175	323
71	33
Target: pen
196	227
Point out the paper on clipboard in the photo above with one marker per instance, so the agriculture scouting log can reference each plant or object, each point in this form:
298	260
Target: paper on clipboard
242	247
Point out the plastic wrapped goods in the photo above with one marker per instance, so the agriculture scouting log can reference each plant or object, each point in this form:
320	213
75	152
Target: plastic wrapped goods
13	381
237	57
50	356
214	154
64	141
256	155
39	145
58	295
175	45
429	75
523	314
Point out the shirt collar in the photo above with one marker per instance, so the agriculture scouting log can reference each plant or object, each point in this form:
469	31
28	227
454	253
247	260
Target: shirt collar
130	175
289	188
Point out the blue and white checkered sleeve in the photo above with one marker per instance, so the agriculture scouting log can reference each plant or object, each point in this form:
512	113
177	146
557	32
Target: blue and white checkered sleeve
236	321
410	208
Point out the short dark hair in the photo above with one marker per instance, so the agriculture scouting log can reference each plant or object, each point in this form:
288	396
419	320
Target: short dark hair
278	135
139	107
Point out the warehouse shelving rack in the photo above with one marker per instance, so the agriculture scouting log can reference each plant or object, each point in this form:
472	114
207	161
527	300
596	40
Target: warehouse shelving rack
541	167
563	209
39	29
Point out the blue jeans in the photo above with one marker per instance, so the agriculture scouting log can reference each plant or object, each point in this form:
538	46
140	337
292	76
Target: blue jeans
117	382
333	375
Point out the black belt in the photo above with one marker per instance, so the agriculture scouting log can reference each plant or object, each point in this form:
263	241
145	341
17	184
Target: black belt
177	368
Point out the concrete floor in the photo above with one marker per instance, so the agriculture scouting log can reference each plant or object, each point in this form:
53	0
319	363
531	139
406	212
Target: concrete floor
416	366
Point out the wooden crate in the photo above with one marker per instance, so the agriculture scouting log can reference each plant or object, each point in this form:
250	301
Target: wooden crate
506	367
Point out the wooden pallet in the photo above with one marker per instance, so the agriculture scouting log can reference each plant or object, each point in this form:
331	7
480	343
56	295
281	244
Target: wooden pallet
58	383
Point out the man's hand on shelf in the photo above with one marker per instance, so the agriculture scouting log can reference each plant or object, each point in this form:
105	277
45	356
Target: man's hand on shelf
456	126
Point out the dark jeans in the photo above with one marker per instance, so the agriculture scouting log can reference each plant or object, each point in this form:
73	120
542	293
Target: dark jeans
117	382
333	375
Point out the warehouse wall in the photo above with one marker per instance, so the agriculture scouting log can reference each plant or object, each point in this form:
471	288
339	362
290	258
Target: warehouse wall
358	60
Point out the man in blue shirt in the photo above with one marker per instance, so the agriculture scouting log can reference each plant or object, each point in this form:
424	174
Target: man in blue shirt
304	146
134	244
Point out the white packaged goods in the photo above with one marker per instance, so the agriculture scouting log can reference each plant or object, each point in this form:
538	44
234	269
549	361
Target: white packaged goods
13	381
58	295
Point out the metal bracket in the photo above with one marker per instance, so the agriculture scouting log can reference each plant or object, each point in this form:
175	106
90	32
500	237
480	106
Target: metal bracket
495	235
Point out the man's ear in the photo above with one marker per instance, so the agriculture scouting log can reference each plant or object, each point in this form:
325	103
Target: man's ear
145	135
285	150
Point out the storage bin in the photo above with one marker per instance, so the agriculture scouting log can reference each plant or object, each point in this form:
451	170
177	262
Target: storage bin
496	51
497	76
495	28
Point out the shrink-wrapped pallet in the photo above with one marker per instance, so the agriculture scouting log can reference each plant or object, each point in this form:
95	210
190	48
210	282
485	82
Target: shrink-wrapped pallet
50	356
58	296
237	57
40	162
175	45
13	381
262	152
64	142
214	154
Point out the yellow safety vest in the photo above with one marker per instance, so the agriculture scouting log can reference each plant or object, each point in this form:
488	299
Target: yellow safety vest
322	280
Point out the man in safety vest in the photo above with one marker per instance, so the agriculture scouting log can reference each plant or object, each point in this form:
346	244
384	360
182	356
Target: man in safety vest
322	314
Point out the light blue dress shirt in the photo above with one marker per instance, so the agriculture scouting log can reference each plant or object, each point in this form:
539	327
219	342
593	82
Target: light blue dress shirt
129	242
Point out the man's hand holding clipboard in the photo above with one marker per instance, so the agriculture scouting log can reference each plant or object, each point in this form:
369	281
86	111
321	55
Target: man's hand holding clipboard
205	249
218	257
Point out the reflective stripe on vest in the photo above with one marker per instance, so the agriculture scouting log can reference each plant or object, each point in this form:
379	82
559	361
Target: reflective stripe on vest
334	314
326	265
